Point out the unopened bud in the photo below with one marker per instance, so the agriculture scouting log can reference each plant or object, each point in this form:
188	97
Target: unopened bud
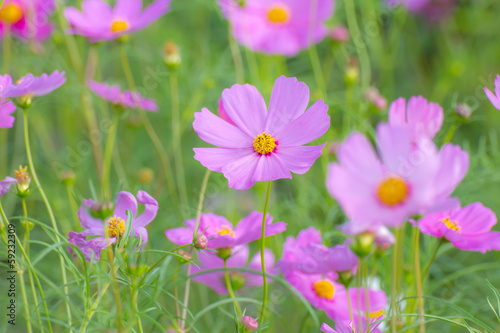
68	177
352	72
340	34
363	244
201	242
146	176
463	110
380	103
186	257
249	323
224	253
102	210
23	181
171	55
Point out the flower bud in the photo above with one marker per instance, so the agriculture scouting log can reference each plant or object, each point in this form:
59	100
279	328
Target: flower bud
186	257
68	177
201	242
363	244
463	110
380	103
171	55
102	210
340	34
224	253
23	181
146	176
352	72
237	280
249	323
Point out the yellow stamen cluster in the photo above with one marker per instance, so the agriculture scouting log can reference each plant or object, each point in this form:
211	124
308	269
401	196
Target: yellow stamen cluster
392	191
226	230
11	13
452	225
376	314
22	175
116	226
278	15
264	144
119	26
324	289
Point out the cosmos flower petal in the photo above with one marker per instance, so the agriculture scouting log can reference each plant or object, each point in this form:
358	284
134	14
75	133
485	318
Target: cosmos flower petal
495	100
127	9
394	146
216	159
240	173
180	236
254	280
300	159
125	201
6	184
270	167
150	210
328	329
475	219
153	12
483	243
6	119
289	100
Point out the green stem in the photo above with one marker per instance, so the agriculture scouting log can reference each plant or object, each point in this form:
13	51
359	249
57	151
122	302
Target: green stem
108	155
153	136
349	303
116	292
424	274
49	210
262	256
230	290
318	74
450	133
394	285
7	49
238	61
73	205
176	138
418	280
136	309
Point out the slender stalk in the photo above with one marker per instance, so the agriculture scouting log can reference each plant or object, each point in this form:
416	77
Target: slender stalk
49	210
394	286
108	155
116	292
318	74
349	302
197	226
238	61
230	290
424	274
136	309
262	256
418	280
153	136
6	48
176	137
176	294
72	203
450	133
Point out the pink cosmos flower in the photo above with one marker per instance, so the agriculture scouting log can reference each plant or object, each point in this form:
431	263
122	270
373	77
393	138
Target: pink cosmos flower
340	33
432	10
239	280
6	184
422	118
407	179
114	225
31	86
126	99
262	145
349	327
6	106
223	113
467	228
99	22
306	254
382	236
27	19
494	98
222	234
278	26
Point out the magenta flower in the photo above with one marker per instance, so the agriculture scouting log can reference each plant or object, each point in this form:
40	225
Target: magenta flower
6	184
423	119
278	26
349	327
467	228
27	19
126	99
407	179
494	98
114	225
263	145
340	33
99	22
306	254
239	280
222	234
6	106
31	86
432	10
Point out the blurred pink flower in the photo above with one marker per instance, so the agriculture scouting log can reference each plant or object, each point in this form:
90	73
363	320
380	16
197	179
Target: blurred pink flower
494	98
407	179
27	19
306	254
126	99
422	118
264	145
340	33
349	327
6	184
99	22
31	86
6	106
432	10
221	233
239	280
114	225
278	26
467	228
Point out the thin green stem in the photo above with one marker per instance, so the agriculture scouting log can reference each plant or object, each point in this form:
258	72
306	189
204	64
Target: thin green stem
108	155
450	133
116	292
424	274
6	48
153	136
318	74
73	205
349	302
230	290
418	280
49	210
136	310
262	256
238	60
176	137
394	286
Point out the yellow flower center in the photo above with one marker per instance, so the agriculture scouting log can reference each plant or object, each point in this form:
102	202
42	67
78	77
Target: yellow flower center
376	314
119	26
22	174
264	144
116	226
226	230
324	289
452	225
392	191
278	14
11	13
